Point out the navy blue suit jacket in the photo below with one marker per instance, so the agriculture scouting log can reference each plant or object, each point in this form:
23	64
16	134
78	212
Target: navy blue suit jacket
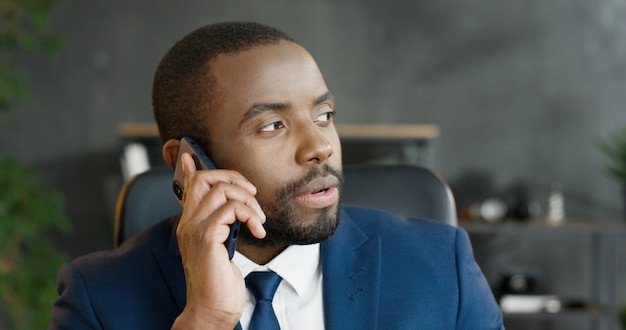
380	271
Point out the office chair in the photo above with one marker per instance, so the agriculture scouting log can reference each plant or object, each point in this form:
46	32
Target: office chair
412	191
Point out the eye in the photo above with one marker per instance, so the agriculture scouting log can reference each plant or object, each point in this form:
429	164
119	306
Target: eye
325	117
272	127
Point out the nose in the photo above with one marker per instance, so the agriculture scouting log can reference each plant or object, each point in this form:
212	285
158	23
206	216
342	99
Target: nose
314	146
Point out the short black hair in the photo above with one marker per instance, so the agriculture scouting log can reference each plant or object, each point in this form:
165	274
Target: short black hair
183	87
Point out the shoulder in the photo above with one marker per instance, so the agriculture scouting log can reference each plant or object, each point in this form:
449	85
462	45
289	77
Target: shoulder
94	289
408	240
383	223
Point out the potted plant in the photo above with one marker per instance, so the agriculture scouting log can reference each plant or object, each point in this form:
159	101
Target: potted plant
30	212
614	147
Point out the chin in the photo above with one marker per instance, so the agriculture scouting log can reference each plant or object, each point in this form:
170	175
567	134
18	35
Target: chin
297	229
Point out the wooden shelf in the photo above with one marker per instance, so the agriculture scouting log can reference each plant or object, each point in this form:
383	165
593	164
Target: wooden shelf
388	132
137	131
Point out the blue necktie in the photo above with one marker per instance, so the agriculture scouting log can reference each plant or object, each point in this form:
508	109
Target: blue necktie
263	285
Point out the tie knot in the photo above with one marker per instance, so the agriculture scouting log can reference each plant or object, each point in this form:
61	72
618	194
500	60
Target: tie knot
263	285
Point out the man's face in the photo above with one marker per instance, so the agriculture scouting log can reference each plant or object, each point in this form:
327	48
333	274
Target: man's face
272	122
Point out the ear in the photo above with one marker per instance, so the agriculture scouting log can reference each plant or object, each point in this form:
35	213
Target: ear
170	152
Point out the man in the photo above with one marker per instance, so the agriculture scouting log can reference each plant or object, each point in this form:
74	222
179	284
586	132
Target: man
258	104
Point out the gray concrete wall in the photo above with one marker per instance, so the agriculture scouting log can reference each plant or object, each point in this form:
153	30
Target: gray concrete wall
520	89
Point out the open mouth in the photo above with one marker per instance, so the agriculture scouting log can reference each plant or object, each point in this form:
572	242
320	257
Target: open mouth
319	193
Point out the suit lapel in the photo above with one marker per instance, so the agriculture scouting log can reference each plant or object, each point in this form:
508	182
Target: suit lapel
172	270
351	268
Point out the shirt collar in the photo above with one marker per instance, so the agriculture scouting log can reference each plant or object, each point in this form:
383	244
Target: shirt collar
297	265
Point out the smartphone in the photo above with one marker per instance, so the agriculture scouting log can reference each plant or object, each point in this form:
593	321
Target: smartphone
188	145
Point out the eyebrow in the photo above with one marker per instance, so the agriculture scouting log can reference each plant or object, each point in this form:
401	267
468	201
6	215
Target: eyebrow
261	107
328	96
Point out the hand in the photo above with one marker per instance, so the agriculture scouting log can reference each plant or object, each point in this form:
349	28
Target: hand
215	287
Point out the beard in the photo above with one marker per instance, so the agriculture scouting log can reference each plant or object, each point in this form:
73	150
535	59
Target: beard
284	227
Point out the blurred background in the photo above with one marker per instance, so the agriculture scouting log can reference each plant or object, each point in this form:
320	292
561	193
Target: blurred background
521	92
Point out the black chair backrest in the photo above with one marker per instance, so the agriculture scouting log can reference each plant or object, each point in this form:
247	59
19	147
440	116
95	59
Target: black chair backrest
144	200
412	191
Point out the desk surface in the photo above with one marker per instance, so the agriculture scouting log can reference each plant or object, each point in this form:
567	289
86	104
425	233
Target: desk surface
349	131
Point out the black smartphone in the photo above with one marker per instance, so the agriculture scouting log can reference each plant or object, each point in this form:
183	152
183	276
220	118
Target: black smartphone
188	145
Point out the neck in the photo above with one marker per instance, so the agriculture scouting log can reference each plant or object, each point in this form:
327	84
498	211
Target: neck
260	254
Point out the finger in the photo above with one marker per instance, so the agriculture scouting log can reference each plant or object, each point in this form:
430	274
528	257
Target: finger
211	177
237	210
205	198
214	232
199	182
216	198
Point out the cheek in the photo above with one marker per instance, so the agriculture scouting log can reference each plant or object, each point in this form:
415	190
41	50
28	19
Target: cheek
266	168
269	180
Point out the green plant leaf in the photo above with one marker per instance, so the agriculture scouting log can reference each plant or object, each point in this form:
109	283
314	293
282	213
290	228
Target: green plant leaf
12	86
613	146
24	26
29	42
39	18
29	211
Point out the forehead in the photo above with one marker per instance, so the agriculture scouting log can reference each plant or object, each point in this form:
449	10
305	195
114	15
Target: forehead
275	72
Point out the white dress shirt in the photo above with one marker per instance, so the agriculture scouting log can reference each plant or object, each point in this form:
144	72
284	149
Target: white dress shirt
298	300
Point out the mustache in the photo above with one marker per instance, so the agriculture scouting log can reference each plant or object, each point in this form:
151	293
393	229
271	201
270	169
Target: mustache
317	171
